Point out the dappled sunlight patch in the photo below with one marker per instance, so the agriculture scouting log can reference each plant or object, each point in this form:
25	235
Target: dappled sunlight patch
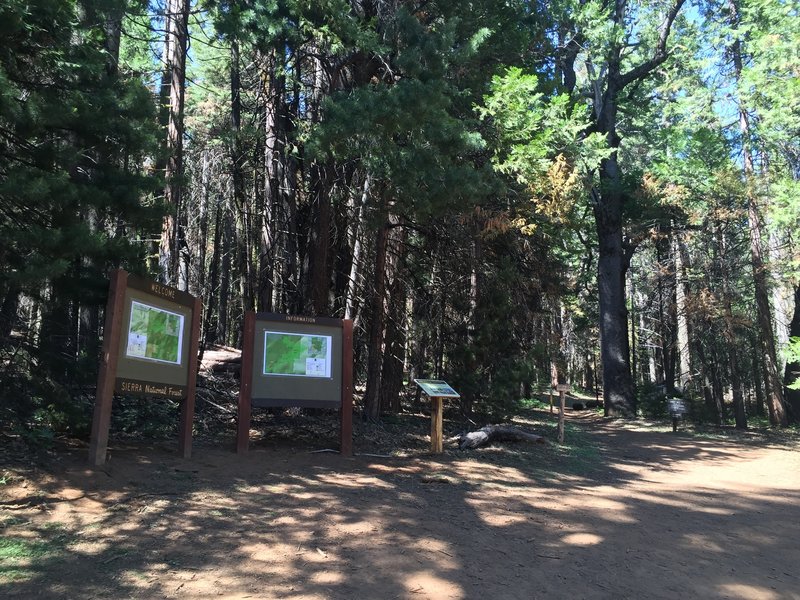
702	541
748	592
328	578
397	469
427	584
503	520
582	538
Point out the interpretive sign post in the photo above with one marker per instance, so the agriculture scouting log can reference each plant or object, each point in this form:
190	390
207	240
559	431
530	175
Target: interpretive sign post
437	390
562	389
150	342
678	409
291	360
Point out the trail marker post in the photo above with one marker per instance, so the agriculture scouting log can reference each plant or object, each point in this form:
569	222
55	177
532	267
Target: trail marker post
562	389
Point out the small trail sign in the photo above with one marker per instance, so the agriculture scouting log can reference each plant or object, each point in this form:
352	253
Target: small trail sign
436	389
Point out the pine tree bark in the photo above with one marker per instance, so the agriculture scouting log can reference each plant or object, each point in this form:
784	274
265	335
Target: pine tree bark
792	370
239	194
395	338
175	46
372	403
681	256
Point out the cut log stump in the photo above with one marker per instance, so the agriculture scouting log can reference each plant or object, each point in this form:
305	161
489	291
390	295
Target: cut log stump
496	433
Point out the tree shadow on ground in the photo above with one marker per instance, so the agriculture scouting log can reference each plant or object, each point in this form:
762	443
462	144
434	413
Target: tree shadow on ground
660	516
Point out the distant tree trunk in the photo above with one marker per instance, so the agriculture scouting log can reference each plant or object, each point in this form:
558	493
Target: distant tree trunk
376	327
661	350
8	311
792	371
177	32
713	401
354	234
681	257
210	324
205	192
237	177
319	278
395	341
225	283
730	334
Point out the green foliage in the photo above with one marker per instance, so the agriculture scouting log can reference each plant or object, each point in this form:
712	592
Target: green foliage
76	138
792	353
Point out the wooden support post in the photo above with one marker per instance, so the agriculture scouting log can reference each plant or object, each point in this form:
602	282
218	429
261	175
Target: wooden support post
346	417
187	406
436	425
104	396
561	402
246	384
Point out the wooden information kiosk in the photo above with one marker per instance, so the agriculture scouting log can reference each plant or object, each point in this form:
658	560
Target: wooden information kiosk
291	360
150	342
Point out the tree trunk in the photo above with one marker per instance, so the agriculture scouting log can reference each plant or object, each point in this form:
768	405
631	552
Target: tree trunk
210	324
792	371
372	395
177	32
237	178
354	232
681	257
395	341
319	272
618	390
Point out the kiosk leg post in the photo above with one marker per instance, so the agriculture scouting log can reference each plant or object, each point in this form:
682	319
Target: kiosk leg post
112	332
346	426
246	384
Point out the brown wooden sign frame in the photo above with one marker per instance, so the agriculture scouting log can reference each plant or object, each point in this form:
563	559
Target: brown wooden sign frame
107	380
249	355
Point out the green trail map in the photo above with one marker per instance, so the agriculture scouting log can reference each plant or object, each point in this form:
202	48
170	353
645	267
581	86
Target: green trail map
297	354
154	334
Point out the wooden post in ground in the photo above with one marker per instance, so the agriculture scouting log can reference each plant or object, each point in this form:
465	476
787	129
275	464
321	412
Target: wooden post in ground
245	384
561	402
346	423
187	406
101	421
436	425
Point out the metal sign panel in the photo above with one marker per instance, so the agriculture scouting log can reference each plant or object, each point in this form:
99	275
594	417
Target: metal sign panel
436	388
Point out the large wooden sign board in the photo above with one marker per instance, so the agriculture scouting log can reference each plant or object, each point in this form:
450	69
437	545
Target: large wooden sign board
150	343
290	360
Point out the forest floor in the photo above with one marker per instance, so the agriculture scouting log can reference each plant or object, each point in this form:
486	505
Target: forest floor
623	510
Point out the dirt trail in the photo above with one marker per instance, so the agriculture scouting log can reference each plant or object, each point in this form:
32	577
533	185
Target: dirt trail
658	516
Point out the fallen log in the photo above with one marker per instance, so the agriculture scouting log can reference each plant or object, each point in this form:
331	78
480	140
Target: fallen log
497	433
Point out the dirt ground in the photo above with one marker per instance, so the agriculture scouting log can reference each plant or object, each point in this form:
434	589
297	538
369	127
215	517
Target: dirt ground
628	512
